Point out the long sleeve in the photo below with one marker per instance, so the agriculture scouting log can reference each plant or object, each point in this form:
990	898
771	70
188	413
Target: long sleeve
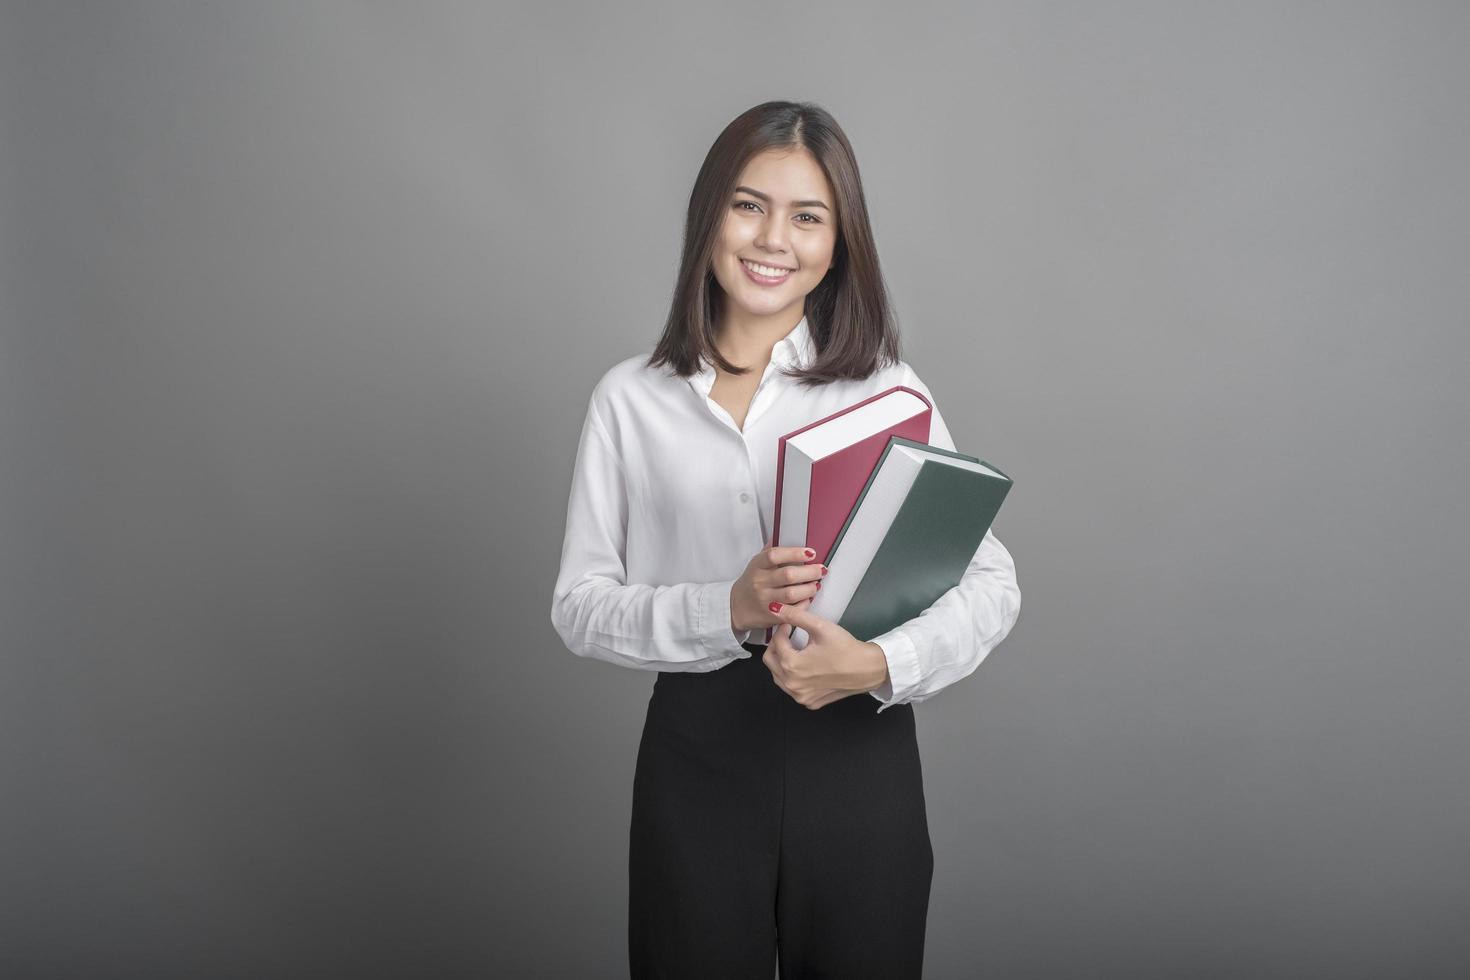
597	614
947	641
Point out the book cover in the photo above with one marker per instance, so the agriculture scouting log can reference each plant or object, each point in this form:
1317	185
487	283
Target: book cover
831	485
929	545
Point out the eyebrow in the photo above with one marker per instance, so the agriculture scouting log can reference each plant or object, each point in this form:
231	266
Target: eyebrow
795	204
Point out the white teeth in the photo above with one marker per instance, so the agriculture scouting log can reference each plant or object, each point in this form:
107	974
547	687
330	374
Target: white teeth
766	270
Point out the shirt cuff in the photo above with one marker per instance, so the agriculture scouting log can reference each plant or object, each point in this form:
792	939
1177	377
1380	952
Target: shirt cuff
903	669
715	634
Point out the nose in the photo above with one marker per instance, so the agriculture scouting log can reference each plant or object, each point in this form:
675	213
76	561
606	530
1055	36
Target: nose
772	235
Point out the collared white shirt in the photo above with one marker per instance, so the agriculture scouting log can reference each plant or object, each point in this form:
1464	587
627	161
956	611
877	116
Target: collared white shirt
670	500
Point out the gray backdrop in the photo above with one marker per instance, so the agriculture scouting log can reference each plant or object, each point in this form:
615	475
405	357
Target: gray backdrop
301	307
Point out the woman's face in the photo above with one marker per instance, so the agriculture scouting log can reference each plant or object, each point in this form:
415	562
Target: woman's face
781	216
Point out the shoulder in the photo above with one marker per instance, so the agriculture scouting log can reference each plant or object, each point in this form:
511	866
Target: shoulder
625	374
889	375
904	374
630	383
939	434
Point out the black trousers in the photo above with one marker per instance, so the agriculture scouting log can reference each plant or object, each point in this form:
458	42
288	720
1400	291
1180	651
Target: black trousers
764	832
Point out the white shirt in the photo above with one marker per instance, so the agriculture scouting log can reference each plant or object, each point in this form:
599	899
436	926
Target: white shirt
670	500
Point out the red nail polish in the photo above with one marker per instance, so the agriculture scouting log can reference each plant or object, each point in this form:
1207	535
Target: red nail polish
819	586
824	569
775	607
810	553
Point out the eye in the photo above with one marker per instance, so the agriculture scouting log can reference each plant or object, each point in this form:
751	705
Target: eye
739	205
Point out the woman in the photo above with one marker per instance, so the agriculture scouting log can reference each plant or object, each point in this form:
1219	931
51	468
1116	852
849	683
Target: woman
778	812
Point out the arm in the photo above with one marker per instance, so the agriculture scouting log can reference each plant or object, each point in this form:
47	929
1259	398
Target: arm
947	641
593	609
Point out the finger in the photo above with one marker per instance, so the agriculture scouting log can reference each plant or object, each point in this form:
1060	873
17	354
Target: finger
798	554
797	574
773	664
784	605
827	699
800	614
795	595
809	572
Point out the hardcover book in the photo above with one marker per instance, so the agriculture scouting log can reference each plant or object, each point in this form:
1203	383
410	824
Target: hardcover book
821	467
909	538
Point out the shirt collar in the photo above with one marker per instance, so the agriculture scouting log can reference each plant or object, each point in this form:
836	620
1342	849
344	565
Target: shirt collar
796	349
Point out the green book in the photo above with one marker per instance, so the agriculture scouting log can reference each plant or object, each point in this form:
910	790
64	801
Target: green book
909	537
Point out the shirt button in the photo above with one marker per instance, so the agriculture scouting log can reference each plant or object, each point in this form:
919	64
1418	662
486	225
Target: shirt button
744	497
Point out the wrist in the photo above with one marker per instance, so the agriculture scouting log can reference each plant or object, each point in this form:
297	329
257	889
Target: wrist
737	613
880	665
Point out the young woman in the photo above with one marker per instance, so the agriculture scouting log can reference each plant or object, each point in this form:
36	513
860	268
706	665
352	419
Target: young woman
778	804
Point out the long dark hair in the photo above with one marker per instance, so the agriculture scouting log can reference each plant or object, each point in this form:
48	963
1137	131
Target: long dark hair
848	313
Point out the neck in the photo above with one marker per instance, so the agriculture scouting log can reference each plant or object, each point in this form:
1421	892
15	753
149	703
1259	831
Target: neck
744	338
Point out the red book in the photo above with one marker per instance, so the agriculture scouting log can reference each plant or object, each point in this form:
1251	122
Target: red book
822	467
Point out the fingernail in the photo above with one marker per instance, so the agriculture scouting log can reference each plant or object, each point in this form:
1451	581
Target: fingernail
775	607
810	553
824	569
819	586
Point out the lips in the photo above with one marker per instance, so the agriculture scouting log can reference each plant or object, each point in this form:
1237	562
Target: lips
769	265
764	280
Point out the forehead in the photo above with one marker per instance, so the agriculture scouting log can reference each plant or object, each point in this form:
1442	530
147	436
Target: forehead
786	174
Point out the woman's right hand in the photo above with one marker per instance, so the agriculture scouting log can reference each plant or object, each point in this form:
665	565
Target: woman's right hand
784	575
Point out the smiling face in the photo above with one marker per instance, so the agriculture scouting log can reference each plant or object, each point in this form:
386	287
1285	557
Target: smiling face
779	234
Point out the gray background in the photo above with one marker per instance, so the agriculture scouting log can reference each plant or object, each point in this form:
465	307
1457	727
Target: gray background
301	308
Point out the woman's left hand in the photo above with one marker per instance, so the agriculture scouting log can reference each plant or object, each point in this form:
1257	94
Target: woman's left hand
833	665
